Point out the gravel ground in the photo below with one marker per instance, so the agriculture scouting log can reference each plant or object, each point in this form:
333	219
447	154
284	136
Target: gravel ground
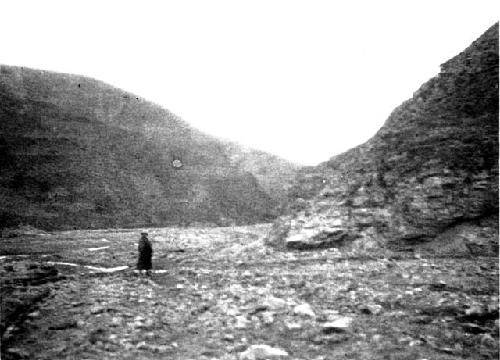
218	293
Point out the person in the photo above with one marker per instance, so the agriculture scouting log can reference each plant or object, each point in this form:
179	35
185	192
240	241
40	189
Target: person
145	254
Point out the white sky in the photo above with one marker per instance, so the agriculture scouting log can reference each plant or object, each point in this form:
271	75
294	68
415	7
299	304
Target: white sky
301	79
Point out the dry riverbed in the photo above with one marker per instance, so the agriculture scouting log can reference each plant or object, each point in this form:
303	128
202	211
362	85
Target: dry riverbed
218	293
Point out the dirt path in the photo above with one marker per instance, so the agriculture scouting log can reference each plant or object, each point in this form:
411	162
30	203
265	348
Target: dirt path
222	292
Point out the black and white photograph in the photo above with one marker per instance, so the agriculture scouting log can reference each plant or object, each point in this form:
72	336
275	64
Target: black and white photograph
249	180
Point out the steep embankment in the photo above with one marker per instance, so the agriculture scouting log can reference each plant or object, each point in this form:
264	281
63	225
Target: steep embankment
75	152
430	171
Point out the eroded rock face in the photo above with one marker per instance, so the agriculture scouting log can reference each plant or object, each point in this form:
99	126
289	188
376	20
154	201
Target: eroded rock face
432	166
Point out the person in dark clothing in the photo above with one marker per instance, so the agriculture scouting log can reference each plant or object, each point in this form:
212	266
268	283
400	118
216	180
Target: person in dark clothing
145	253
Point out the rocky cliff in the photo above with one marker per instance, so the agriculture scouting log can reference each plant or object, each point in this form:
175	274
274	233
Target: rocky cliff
430	173
76	152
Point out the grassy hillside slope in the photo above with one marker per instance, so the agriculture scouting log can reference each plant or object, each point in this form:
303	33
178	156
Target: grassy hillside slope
75	152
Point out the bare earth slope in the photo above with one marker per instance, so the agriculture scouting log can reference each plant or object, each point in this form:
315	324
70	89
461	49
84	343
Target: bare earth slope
429	173
75	152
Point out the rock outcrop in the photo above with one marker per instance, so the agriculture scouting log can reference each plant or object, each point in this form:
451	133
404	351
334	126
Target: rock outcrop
431	167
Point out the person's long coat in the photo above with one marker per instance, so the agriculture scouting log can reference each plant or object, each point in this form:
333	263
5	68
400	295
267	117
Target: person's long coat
145	254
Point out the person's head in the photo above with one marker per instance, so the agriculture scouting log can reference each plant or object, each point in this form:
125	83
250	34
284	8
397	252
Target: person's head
144	234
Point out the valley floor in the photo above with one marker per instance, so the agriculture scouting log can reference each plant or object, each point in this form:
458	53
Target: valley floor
216	292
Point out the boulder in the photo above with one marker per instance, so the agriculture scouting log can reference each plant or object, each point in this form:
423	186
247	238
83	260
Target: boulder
304	310
371	309
321	239
340	324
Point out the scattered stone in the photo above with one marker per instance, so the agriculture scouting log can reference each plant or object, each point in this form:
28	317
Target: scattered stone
34	314
371	309
474	310
116	321
259	308
97	248
241	322
97	335
341	324
274	303
262	352
304	310
154	348
330	339
488	340
200	310
322	238
80	323
439	286
447	350
473	328
293	325
239	348
128	346
64	325
9	332
405	339
94	310
415	343
268	317
298	285
328	315
146	325
233	312
493	307
352	287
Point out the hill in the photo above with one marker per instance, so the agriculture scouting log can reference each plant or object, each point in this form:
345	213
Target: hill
76	152
429	174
